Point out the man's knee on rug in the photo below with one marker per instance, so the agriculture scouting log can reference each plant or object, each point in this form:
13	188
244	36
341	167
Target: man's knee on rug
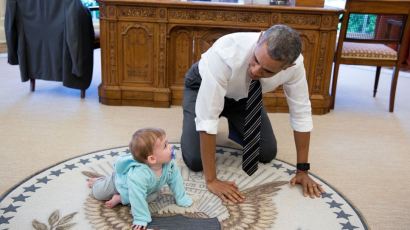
191	153
193	161
268	153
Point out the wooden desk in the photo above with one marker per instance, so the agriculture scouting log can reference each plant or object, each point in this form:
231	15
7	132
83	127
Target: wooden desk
148	45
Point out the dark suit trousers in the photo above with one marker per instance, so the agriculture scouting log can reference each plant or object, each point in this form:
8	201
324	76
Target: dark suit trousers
233	110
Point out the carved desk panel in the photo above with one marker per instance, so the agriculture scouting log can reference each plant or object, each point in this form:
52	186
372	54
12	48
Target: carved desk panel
147	46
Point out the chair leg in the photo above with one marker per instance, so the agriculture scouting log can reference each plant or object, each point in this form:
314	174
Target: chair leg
334	84
376	80
83	93
394	80
32	84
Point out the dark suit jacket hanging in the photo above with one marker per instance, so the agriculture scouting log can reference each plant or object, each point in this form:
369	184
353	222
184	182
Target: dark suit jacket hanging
51	40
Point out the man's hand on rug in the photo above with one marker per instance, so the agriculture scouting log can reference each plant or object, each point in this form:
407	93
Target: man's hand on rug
227	191
309	186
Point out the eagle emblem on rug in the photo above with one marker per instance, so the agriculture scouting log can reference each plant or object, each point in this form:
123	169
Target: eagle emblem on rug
256	212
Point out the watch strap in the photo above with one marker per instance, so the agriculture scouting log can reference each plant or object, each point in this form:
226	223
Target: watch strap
303	166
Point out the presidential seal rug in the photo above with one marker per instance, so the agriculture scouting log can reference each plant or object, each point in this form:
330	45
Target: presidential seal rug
58	198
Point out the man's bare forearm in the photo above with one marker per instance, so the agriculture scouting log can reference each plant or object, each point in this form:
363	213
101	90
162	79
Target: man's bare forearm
302	140
208	145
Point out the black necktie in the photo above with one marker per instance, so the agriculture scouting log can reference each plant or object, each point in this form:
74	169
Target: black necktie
252	128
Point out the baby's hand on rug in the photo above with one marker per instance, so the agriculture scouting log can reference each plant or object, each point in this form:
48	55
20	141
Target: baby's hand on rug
309	186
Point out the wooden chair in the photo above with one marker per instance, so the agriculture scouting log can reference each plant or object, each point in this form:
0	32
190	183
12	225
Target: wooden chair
383	47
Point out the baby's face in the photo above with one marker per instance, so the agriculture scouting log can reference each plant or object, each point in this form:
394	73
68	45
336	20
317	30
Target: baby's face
162	151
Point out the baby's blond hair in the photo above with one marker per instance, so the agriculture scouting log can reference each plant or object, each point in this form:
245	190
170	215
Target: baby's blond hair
143	141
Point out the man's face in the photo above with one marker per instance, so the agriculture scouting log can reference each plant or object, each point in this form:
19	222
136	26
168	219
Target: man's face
261	65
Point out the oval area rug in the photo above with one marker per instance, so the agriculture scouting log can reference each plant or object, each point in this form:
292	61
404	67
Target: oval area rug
58	198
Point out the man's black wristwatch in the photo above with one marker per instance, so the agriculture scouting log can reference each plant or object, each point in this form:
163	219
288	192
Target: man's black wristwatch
303	166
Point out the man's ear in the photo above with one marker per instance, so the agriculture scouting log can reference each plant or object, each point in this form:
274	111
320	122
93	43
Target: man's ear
151	159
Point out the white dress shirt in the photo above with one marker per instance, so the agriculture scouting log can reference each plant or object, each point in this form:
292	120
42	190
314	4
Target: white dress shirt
223	69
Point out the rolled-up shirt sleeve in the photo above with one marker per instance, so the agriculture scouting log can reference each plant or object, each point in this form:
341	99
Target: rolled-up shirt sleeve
297	96
211	95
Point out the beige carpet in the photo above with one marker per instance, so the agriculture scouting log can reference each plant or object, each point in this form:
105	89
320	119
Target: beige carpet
359	148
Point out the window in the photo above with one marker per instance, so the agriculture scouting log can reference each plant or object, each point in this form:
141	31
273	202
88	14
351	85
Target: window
94	13
361	26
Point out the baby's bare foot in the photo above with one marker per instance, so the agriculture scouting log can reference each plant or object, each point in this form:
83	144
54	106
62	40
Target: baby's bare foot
116	199
91	181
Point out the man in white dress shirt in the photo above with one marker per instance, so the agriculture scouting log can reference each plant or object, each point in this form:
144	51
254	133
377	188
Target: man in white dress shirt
218	85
